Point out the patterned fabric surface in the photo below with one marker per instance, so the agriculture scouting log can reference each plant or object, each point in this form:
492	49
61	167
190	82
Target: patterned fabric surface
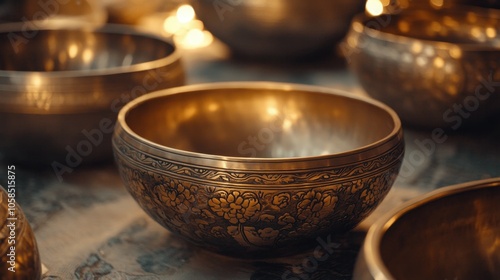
89	227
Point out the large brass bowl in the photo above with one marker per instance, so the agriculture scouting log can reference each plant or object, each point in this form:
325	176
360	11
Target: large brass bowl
435	68
280	28
61	89
19	256
253	169
451	233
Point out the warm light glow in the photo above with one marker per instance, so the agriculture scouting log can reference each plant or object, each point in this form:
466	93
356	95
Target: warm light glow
287	124
374	7
194	38
35	80
491	32
73	50
421	61
437	3
416	47
87	55
188	32
476	32
438	62
185	13
272	111
212	107
171	25
455	52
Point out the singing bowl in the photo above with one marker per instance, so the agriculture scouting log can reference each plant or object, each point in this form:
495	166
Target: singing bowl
434	67
257	169
450	233
19	257
278	29
35	14
61	89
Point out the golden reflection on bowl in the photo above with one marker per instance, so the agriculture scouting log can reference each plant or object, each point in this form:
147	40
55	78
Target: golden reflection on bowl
451	233
19	257
60	89
257	169
436	68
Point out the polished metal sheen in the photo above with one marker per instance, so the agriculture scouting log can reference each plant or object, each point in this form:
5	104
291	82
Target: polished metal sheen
279	28
451	233
59	86
257	169
434	67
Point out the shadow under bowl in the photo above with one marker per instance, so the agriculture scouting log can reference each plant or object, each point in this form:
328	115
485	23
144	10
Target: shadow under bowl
257	169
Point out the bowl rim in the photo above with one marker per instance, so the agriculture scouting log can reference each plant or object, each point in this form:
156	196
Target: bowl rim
395	133
373	239
358	25
110	28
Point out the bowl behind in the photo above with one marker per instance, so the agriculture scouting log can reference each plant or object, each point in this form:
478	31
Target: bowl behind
435	68
57	86
280	28
451	233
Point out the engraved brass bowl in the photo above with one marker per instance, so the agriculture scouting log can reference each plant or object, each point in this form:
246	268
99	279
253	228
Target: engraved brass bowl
257	169
450	233
280	28
435	68
61	89
19	257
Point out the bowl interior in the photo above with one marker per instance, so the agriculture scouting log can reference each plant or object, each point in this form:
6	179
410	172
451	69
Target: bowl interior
445	25
69	50
452	237
265	123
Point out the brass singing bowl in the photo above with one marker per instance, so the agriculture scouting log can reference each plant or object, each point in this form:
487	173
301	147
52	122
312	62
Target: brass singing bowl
435	68
19	256
257	169
61	89
280	28
450	233
34	14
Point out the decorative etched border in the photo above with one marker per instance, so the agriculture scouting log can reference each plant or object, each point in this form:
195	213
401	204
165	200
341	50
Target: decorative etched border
324	175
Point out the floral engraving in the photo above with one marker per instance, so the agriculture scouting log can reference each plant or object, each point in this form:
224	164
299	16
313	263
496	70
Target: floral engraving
223	218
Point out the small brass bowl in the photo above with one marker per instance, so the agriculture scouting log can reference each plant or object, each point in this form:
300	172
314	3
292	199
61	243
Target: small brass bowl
435	68
253	169
278	29
61	89
19	257
450	233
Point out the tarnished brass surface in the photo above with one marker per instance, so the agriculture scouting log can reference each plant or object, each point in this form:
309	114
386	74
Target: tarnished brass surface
451	233
257	168
19	257
57	83
435	68
280	28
